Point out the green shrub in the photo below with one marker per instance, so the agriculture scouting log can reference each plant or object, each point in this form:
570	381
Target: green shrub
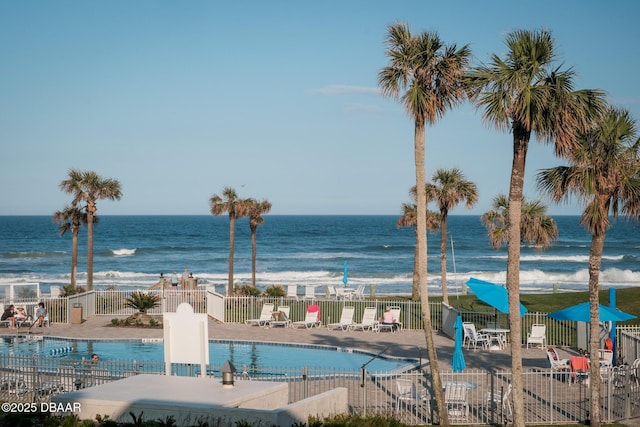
276	291
248	290
115	321
142	301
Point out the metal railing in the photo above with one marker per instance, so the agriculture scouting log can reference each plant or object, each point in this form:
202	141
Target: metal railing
480	397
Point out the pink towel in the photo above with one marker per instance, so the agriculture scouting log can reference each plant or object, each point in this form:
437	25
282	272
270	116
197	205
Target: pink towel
314	308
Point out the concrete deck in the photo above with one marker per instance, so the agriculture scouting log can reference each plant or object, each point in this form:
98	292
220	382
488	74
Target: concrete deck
409	344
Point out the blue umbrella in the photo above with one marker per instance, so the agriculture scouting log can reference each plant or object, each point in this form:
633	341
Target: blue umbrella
344	273
582	313
457	361
494	295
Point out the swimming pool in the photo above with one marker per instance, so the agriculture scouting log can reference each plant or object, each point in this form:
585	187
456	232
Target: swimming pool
243	354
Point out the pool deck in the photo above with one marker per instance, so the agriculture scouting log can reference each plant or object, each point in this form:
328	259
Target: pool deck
406	344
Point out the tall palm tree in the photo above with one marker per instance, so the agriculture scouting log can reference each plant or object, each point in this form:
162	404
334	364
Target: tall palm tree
604	173
409	219
256	210
88	187
449	188
236	208
426	76
537	228
526	93
70	219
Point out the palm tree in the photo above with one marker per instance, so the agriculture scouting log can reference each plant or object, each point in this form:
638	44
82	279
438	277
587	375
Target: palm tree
449	188
70	219
430	75
537	228
256	210
408	219
526	93
236	208
88	187
604	173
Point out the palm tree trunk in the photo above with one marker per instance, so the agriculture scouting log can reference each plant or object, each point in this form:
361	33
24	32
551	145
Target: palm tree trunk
253	257
520	145
232	240
89	247
415	287
443	256
74	255
595	259
421	206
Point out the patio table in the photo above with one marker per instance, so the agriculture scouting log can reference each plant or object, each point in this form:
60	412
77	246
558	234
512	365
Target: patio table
498	336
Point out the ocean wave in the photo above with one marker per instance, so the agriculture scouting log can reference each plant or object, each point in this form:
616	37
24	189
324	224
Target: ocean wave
557	258
531	281
123	252
31	254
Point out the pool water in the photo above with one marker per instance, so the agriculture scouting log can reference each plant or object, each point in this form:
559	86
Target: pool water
256	355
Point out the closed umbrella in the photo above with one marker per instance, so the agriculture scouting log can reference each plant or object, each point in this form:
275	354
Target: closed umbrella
582	313
344	273
494	295
457	360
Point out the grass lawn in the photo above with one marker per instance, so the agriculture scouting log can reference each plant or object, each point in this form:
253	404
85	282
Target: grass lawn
626	300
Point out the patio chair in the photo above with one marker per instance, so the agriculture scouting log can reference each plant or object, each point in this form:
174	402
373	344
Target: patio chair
635	371
474	337
292	292
346	319
281	317
408	395
265	316
557	364
359	293
501	400
368	322
538	335
455	397
311	319
344	293
580	367
606	357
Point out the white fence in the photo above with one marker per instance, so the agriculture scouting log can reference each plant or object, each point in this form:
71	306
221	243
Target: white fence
474	397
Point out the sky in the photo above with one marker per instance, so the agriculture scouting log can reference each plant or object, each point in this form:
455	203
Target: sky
277	99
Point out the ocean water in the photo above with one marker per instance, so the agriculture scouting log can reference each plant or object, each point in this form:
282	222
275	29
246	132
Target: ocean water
131	252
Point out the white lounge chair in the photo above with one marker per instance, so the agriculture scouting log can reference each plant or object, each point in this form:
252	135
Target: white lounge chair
331	291
265	316
395	311
284	319
292	292
309	292
311	319
538	335
346	319
369	321
557	364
